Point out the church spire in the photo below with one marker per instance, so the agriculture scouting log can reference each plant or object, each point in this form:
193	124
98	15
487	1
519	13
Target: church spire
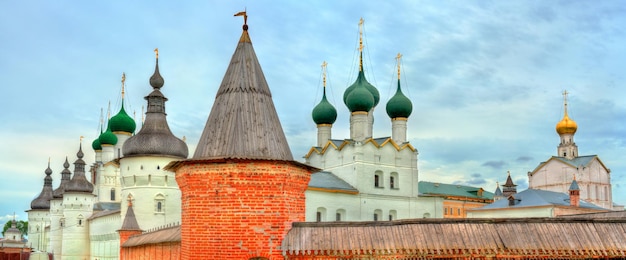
243	122
43	200
566	128
155	136
399	109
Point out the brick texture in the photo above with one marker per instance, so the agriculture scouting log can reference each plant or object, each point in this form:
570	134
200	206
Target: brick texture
239	209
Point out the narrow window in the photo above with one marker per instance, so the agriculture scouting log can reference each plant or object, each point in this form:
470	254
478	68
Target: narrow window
318	216
376	180
392	183
159	203
112	194
375	217
338	216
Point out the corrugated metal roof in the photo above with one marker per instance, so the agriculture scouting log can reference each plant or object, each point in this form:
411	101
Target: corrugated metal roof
433	188
243	121
533	198
578	161
329	181
574	238
171	234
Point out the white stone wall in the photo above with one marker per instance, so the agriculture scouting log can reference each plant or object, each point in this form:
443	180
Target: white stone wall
77	208
103	237
38	219
358	163
593	180
145	180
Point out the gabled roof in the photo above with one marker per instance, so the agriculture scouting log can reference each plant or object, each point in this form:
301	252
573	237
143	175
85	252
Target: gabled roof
377	142
575	162
535	198
442	189
328	182
452	238
243	122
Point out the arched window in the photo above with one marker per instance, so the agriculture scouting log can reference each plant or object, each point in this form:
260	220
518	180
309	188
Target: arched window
393	215
80	220
394	181
377	214
112	194
320	214
340	215
159	203
378	179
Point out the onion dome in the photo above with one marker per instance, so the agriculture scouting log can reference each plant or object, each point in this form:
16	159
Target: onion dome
360	99
79	182
566	125
122	122
362	81
155	136
324	112
43	200
399	105
65	178
96	145
108	138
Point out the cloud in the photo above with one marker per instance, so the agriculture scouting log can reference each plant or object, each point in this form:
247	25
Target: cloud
495	164
524	159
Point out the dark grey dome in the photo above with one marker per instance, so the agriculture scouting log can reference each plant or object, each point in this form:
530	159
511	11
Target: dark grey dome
155	136
79	182
43	200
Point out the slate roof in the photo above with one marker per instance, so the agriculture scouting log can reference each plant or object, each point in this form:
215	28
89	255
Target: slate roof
534	198
330	182
377	142
433	238
432	188
130	222
243	122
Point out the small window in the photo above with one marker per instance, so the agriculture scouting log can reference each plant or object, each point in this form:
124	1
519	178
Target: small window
392	183
159	203
318	216
375	217
338	216
445	211
112	194
376	181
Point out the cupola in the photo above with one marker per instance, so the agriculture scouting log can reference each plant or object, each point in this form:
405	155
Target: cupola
324	112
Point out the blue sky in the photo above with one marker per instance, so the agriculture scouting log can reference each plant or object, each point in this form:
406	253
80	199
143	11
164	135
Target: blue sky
485	77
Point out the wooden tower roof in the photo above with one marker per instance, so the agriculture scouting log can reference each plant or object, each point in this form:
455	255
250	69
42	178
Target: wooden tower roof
243	122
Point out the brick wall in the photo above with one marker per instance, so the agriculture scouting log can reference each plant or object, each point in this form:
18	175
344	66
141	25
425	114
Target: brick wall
239	209
160	251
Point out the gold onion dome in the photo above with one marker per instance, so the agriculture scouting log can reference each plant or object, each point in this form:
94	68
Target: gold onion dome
566	126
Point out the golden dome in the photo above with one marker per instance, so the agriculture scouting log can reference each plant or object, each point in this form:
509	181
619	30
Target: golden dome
566	126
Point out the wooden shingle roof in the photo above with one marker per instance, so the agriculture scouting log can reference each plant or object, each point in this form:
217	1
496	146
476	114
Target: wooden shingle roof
243	122
425	238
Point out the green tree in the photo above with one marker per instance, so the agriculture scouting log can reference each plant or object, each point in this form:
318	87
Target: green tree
21	225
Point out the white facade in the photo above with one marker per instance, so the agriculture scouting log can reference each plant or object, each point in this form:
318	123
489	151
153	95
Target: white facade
153	191
38	220
593	178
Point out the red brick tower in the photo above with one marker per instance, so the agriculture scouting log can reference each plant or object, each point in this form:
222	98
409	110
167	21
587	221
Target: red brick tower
129	228
242	189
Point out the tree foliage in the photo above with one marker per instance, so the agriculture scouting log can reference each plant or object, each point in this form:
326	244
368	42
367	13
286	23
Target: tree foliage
21	225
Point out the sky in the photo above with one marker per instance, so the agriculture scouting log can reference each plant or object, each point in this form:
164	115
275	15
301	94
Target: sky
485	77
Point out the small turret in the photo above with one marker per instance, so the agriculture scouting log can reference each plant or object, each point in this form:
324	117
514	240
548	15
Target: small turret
324	114
399	109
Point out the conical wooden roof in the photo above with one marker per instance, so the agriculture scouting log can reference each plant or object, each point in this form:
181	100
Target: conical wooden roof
243	122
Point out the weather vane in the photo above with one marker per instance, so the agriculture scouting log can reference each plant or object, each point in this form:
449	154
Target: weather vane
398	57
156	51
245	19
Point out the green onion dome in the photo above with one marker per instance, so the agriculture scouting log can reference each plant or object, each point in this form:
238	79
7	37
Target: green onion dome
122	122
361	80
399	105
324	112
108	137
360	99
96	145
